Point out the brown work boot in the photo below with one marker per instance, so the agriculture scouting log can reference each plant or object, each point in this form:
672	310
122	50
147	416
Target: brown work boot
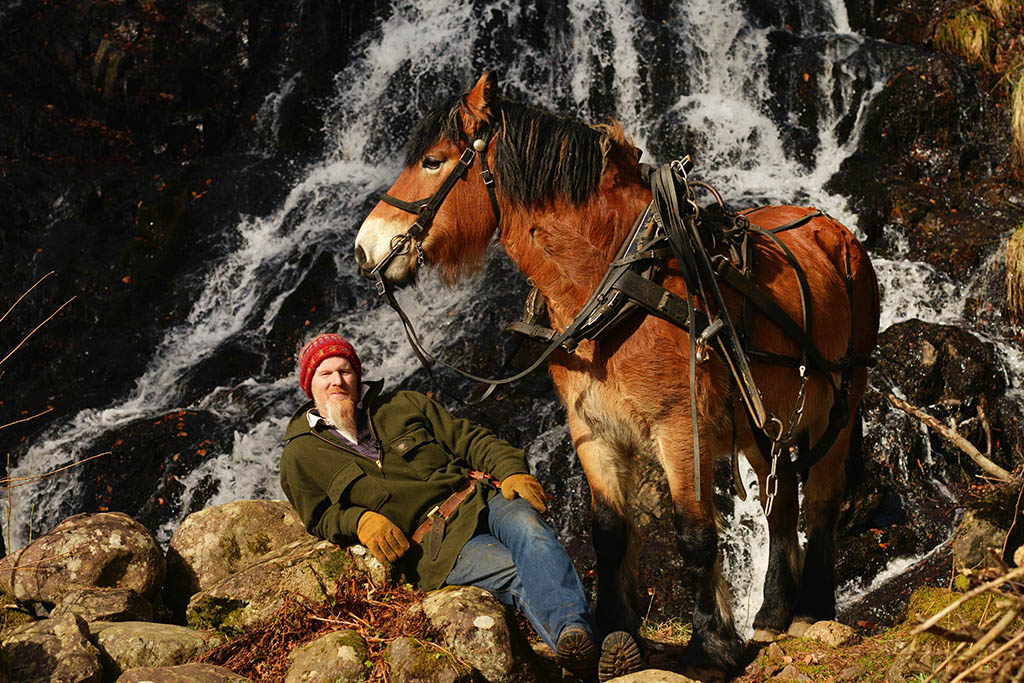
576	652
620	655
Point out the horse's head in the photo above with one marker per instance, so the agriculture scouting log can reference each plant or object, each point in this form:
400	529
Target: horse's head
439	209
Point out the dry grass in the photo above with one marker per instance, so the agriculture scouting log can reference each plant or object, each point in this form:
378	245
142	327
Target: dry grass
378	615
1016	77
967	33
1015	277
1005	11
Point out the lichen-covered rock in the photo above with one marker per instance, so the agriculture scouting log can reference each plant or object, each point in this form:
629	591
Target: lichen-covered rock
128	645
412	661
104	604
832	633
214	543
192	673
106	549
340	657
476	626
652	676
305	568
52	650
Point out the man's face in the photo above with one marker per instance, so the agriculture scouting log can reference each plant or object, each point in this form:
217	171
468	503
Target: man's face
334	380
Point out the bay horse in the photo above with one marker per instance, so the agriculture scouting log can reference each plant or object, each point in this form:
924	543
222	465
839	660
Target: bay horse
562	197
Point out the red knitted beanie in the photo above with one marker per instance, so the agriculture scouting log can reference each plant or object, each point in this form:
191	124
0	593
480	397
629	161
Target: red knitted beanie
320	348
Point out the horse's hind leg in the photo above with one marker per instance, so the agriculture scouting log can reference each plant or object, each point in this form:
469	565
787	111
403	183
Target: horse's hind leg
823	494
715	642
780	581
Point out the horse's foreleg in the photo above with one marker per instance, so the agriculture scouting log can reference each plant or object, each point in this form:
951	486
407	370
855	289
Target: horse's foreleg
715	642
780	581
610	474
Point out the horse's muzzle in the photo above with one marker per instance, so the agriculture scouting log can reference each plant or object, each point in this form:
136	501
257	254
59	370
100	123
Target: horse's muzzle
364	269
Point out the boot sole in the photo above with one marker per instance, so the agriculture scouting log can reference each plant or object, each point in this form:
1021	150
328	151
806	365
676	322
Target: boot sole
577	653
620	655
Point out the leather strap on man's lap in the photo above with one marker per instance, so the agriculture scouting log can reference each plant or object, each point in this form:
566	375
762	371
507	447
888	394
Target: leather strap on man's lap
438	516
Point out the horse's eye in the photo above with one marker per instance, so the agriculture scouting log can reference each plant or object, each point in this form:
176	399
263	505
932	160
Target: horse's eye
431	164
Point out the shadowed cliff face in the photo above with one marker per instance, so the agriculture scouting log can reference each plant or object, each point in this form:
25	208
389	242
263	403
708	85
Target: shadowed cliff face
146	146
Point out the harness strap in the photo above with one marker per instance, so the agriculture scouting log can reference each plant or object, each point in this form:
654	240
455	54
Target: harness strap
756	295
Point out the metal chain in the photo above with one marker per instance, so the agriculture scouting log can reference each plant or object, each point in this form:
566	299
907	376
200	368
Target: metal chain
772	482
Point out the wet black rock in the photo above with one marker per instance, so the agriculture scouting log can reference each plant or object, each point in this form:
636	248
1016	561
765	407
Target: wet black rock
131	135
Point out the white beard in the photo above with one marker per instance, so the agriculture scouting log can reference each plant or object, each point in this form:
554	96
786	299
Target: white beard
342	415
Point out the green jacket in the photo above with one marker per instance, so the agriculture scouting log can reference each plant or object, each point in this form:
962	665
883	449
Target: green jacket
426	455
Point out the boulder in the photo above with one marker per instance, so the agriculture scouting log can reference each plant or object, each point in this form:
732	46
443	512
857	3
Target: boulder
652	676
412	661
985	527
190	673
52	650
307	568
340	656
104	604
106	549
126	645
832	633
476	626
214	543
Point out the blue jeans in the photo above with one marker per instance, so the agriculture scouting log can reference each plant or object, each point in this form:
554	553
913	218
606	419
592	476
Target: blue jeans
516	556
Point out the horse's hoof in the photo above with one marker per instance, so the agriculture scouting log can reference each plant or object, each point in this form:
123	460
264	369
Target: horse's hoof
620	655
576	653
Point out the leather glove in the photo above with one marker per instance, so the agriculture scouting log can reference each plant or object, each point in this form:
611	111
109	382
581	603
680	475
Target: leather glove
527	488
385	540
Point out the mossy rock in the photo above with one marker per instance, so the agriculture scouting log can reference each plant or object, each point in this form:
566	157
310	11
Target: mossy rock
12	614
925	602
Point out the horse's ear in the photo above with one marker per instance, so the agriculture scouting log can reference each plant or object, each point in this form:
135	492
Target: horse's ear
476	105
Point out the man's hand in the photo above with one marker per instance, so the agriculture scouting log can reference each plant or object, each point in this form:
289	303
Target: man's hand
385	540
527	488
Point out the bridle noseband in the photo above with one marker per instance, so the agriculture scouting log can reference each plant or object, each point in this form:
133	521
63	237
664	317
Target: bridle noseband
426	209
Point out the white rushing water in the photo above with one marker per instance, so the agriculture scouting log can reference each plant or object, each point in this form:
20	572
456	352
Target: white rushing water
431	43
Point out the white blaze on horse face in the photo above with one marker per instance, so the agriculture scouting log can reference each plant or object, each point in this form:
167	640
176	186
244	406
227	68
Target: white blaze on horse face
373	242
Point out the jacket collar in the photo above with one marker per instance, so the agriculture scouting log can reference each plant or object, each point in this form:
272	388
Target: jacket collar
299	425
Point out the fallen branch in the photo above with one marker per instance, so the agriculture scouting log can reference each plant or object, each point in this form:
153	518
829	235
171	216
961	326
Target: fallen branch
954	438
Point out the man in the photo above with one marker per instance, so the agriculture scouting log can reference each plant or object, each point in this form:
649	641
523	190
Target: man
401	475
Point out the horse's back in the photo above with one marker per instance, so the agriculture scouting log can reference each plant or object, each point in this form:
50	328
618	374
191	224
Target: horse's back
818	241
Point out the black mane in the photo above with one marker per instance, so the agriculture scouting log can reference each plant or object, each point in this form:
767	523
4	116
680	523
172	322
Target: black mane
539	156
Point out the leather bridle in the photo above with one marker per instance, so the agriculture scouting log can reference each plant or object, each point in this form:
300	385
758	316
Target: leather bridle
426	209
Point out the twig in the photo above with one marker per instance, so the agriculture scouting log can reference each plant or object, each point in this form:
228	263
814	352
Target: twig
993	633
7	547
977	590
26	293
986	426
945	663
957	440
25	339
982	662
35	477
26	419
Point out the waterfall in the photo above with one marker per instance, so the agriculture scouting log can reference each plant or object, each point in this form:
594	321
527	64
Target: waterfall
589	59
